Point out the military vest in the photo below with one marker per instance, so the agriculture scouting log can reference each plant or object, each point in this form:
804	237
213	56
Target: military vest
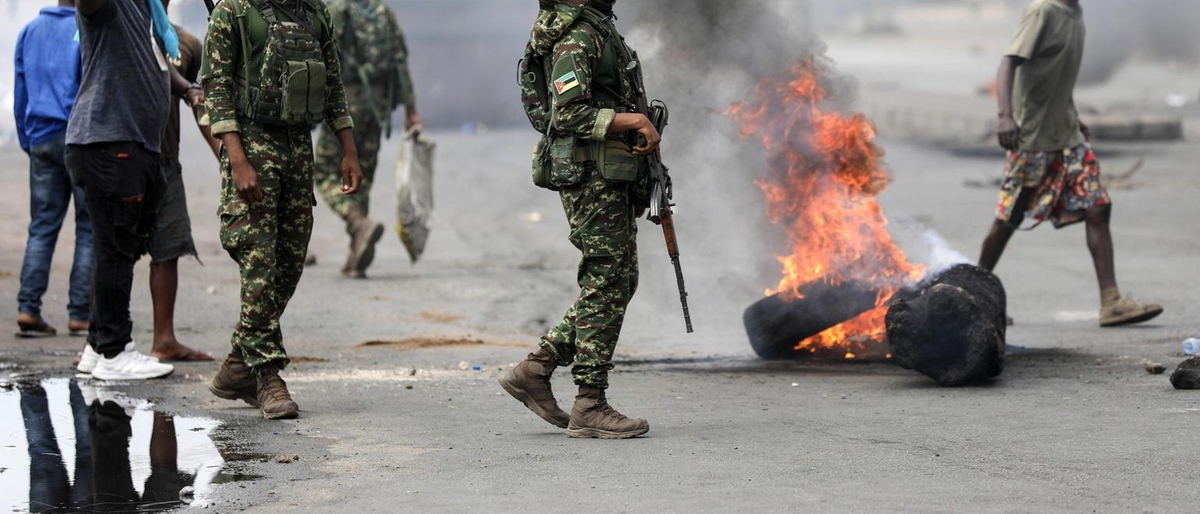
290	89
562	160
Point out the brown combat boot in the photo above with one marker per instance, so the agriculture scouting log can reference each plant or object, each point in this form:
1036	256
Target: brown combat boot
235	380
365	233
273	396
592	417
529	383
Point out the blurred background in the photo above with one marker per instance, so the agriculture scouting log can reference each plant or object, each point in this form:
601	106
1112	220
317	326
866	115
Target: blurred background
464	51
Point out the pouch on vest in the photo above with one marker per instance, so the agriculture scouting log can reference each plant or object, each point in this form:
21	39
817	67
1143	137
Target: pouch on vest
291	88
304	92
616	161
567	162
542	164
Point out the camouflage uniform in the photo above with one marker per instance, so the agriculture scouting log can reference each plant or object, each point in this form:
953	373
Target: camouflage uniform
268	238
589	86
376	54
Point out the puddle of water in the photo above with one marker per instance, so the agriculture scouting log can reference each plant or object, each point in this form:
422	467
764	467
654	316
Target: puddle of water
68	446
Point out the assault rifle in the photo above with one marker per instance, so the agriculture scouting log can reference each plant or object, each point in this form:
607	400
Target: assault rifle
661	190
661	194
211	4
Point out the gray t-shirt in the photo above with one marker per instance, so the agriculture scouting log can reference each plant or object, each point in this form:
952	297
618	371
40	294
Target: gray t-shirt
125	88
1050	41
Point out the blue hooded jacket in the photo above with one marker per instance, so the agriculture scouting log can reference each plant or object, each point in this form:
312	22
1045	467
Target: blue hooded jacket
47	76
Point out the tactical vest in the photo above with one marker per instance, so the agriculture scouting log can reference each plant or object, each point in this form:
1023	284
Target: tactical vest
291	87
369	47
560	160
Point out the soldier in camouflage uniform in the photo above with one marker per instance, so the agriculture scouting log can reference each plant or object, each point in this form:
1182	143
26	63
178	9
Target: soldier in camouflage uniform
376	76
266	182
592	121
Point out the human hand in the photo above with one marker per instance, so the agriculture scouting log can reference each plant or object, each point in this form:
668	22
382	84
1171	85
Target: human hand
246	182
351	174
1009	133
650	137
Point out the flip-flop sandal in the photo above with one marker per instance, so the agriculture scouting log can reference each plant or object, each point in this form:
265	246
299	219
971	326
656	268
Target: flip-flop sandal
40	331
191	356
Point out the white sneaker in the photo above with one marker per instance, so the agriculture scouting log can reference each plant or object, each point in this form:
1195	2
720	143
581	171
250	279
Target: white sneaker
130	365
87	360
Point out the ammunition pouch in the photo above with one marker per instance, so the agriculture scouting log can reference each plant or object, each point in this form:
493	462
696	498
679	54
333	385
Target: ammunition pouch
291	88
542	165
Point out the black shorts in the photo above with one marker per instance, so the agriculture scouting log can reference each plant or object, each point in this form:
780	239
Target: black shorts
173	233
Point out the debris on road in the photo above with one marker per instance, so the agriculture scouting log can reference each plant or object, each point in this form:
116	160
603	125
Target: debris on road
1187	375
951	328
1153	368
286	459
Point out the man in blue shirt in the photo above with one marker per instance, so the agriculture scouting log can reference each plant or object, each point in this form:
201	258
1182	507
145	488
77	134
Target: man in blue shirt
47	80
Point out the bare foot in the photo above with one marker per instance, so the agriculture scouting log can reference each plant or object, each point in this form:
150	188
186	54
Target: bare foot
174	351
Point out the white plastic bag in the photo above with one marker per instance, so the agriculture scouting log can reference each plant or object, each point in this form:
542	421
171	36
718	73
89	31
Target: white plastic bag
414	190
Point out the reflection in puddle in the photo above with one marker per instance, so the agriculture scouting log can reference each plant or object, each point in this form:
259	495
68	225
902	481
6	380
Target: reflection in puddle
83	448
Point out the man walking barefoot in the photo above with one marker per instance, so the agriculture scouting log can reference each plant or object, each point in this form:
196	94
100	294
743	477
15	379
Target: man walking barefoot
1052	173
173	233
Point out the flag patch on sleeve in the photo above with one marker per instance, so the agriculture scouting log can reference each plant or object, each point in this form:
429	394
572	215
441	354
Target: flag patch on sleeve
566	82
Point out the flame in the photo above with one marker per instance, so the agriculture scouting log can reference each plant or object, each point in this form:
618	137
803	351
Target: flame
825	172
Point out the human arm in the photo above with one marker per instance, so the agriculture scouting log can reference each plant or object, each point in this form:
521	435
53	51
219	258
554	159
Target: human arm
217	73
20	92
337	113
245	179
181	87
407	93
1008	130
218	70
1024	46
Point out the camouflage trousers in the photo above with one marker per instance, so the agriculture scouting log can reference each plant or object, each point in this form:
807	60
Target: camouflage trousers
268	238
368	134
604	229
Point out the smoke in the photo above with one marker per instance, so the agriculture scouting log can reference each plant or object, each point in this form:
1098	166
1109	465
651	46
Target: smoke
1120	30
701	56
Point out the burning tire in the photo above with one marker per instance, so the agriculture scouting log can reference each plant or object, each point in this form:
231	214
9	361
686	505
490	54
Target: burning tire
776	326
951	328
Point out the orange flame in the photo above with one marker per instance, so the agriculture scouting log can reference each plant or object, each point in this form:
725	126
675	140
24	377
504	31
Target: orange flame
825	171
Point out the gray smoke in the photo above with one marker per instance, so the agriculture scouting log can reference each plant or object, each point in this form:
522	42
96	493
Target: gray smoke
700	56
1120	30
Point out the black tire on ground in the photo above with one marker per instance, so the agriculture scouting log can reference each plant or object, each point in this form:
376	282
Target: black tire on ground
951	328
776	326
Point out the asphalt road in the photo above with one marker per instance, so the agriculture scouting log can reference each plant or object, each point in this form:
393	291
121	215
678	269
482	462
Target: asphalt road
1074	423
396	419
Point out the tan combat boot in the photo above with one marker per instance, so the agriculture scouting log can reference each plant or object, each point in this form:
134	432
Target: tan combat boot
1117	310
235	380
529	383
592	417
273	396
364	235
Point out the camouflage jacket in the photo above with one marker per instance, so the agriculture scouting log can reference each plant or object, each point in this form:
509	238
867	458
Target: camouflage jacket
586	72
374	51
222	69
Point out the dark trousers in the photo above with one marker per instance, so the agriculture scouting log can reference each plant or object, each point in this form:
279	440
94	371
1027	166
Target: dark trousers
123	184
50	195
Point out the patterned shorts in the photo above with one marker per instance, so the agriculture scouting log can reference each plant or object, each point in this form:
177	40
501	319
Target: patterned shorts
1065	185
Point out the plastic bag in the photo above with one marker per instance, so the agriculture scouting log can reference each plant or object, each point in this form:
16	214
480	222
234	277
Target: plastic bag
414	191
